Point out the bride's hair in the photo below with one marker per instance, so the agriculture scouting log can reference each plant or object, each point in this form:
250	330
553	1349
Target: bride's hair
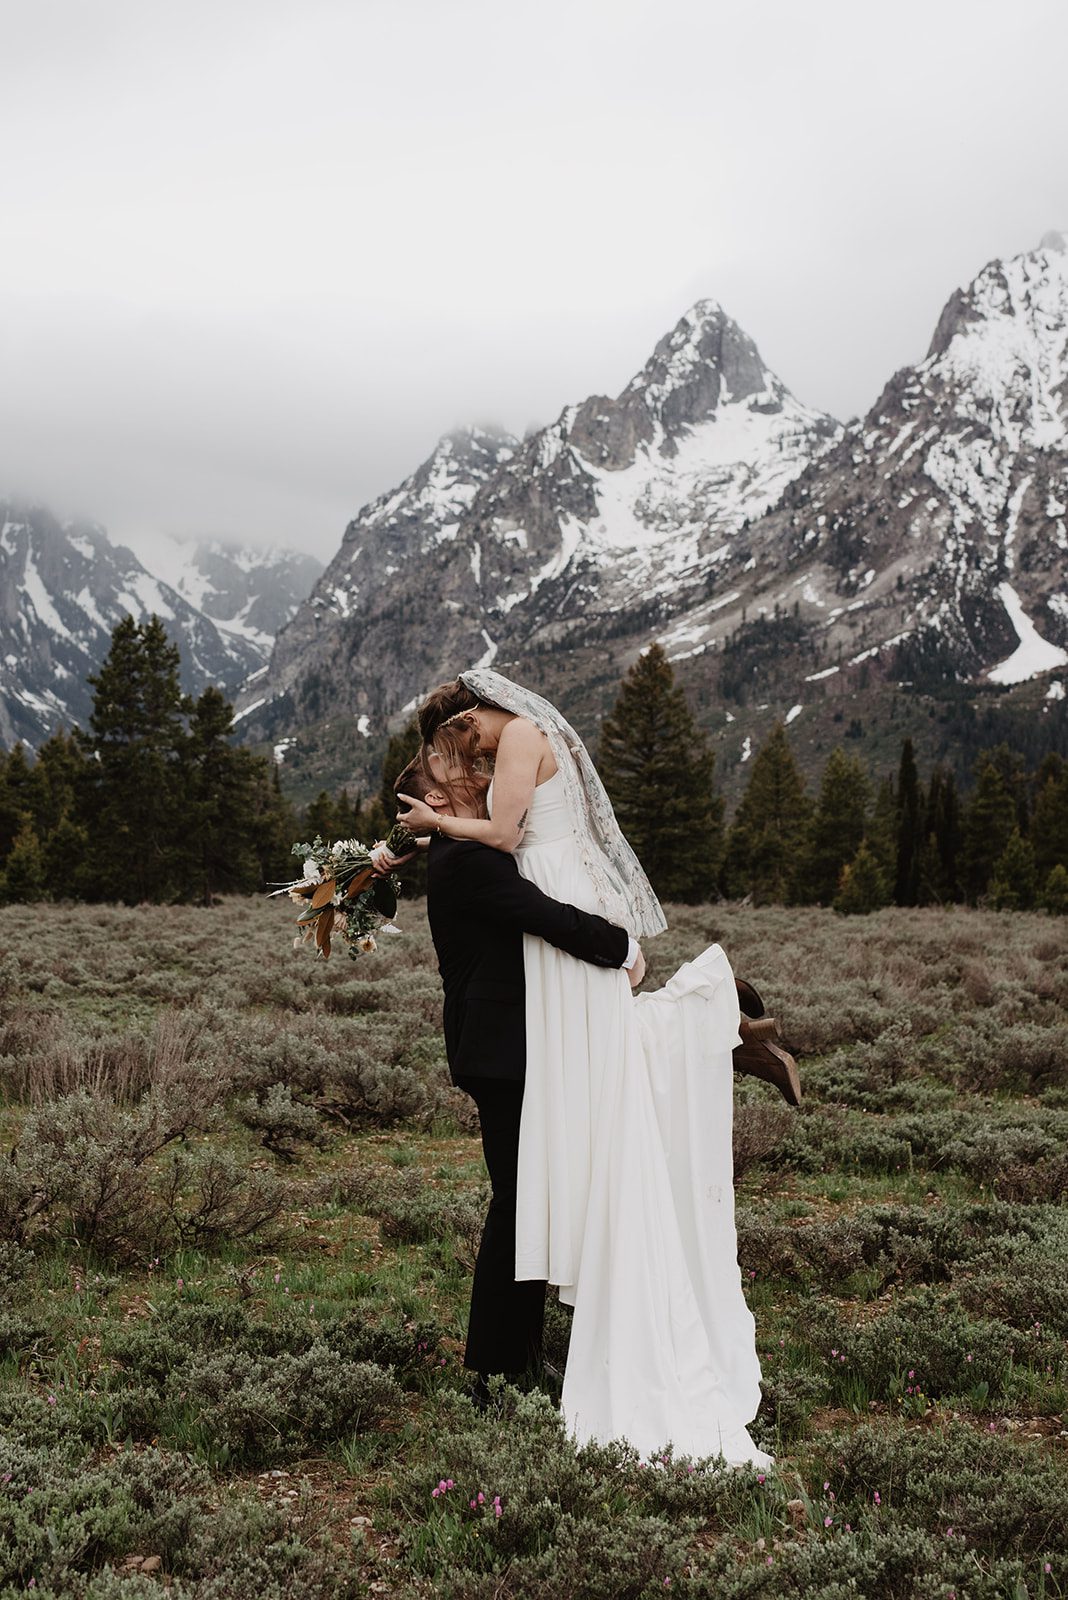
419	779
446	701
446	728
457	748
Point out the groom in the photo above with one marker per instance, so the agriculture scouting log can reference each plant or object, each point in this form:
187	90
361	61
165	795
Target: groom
479	908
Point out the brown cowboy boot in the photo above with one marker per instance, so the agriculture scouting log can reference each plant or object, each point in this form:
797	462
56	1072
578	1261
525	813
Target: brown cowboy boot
748	999
759	1055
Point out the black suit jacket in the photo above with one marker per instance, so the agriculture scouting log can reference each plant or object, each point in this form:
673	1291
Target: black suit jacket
479	908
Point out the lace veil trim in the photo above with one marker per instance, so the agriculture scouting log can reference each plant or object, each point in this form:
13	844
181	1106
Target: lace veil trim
624	891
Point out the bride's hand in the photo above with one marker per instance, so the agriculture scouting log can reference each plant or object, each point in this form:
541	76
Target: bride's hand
419	818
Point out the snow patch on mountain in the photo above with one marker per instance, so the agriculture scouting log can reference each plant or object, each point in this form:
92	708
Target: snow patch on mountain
1034	654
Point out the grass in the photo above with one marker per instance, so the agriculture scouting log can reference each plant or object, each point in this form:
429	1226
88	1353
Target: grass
240	1222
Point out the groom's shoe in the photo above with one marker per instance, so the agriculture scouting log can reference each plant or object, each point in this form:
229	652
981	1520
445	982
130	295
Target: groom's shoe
759	1056
748	999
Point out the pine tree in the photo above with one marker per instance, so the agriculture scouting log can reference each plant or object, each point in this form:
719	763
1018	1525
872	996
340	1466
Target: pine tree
23	879
863	886
881	836
767	837
1049	821
838	825
1054	897
136	743
57	782
16	796
1014	883
275	829
1010	763
223	786
944	827
989	820
657	766
910	829
346	817
319	818
65	853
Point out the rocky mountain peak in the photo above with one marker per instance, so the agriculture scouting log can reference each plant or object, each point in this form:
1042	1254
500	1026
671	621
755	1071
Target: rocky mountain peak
1022	298
704	363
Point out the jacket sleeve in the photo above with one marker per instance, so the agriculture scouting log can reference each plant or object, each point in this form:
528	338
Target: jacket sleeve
493	890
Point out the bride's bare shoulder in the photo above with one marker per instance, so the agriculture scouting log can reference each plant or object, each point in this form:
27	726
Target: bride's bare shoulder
521	734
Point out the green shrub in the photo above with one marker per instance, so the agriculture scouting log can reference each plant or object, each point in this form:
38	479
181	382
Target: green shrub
927	1341
284	1124
1000	1496
260	1411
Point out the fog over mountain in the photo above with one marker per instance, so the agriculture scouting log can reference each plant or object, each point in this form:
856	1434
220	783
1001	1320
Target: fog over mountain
259	258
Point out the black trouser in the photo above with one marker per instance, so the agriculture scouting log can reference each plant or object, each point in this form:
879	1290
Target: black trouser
504	1332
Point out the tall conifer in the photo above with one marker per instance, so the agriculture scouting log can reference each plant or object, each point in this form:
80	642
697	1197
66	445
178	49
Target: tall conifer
989	820
943	825
1049	822
16	796
767	836
838	825
136	744
1014	882
862	886
882	829
223	787
657	766
910	828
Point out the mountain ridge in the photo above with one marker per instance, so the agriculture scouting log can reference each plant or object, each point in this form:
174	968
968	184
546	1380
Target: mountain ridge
64	586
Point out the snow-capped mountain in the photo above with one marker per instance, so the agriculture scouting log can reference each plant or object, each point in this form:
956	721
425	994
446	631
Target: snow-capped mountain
63	588
929	542
248	591
617	515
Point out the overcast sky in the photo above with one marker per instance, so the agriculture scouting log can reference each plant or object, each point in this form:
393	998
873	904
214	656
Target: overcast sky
258	255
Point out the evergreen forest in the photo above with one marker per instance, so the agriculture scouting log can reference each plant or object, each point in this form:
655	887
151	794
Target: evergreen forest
155	802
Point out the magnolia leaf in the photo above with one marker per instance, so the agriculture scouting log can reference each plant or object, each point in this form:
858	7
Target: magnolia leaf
323	931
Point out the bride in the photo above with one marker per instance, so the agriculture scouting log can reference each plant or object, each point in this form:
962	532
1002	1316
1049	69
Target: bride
625	1194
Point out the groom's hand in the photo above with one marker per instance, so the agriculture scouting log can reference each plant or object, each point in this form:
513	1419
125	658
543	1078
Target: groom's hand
637	972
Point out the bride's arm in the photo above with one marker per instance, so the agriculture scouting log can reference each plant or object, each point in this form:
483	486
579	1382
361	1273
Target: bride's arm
515	777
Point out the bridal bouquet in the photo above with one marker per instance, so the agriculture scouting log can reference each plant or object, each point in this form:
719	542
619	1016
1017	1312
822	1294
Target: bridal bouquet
341	894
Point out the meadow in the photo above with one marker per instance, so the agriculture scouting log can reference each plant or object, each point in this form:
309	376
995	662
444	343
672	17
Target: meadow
239	1206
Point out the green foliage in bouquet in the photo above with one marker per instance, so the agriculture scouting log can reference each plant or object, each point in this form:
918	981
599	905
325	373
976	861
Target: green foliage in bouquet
343	892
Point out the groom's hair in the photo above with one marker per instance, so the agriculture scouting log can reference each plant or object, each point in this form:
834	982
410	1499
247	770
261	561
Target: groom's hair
416	779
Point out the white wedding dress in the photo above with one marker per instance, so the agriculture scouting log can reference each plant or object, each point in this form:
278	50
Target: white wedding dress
626	1192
